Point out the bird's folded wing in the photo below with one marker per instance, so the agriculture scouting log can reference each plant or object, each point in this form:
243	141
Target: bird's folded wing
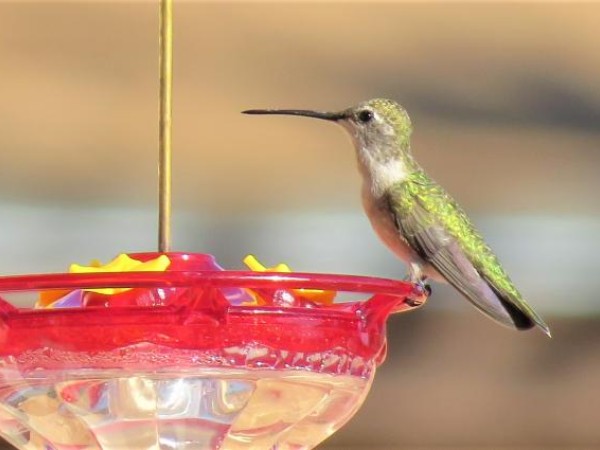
431	240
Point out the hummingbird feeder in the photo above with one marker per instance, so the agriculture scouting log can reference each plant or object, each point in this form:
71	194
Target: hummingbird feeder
166	350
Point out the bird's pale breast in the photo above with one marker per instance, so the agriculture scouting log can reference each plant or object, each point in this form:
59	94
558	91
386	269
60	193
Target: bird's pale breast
384	224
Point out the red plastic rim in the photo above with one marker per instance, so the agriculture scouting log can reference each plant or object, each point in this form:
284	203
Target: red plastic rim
200	326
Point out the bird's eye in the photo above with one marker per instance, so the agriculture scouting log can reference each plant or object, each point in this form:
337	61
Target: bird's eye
365	116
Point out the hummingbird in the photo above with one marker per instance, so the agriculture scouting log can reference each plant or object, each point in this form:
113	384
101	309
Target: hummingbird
417	219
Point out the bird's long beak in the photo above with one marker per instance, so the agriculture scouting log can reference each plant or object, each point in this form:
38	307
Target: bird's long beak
333	116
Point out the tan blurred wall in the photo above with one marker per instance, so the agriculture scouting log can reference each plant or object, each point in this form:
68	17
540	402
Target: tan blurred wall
506	106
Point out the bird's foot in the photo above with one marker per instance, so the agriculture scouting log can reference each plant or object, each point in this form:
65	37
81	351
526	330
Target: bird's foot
422	289
420	293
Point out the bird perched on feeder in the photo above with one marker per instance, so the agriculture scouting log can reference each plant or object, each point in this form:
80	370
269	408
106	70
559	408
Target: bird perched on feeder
417	219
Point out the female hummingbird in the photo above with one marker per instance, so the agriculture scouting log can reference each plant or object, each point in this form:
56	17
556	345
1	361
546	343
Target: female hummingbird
417	219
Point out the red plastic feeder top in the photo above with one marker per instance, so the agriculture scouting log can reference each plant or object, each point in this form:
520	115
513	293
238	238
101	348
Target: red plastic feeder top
196	314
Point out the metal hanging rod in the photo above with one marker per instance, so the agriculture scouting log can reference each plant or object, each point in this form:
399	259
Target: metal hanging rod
165	122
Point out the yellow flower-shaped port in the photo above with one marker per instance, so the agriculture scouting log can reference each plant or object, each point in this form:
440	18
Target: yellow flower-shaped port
121	263
314	295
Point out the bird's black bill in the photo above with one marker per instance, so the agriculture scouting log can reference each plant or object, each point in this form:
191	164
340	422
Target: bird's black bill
298	112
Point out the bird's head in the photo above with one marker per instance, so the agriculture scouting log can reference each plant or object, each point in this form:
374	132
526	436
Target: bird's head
380	128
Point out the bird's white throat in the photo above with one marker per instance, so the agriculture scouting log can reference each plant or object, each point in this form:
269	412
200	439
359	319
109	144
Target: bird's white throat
379	169
378	175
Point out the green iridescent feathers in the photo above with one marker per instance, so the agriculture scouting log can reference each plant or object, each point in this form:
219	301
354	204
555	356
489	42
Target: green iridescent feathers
431	221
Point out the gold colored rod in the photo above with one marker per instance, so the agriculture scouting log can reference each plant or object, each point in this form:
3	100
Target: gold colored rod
165	120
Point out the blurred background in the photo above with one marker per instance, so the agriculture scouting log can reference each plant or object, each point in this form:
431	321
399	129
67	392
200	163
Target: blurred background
506	108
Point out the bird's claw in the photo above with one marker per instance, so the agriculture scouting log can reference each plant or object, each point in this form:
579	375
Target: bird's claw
421	292
421	289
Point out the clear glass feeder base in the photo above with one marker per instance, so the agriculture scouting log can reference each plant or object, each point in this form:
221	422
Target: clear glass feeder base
200	409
